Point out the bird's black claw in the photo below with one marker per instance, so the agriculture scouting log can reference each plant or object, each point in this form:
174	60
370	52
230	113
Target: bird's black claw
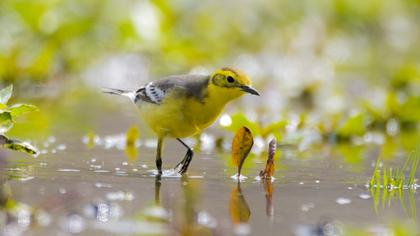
188	159
182	167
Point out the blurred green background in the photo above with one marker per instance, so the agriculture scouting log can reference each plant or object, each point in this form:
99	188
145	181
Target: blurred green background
345	67
44	40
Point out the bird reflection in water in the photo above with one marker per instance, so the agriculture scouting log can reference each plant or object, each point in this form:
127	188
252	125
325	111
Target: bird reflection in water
193	222
156	212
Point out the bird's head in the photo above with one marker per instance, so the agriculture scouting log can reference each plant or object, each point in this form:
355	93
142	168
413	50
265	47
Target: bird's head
233	83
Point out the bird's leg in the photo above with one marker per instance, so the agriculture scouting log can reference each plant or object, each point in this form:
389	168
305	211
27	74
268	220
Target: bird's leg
187	158
159	155
157	189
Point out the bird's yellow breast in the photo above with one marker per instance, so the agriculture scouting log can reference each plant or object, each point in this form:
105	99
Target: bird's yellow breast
167	118
182	116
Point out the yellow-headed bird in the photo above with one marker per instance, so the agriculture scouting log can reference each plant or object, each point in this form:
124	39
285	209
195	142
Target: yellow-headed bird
183	105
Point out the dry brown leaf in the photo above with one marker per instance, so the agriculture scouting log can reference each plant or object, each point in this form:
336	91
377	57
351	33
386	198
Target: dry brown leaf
268	172
241	146
238	207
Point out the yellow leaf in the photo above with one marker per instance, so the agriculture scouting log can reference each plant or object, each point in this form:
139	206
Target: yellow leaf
131	136
130	144
241	146
268	172
131	152
238	207
90	140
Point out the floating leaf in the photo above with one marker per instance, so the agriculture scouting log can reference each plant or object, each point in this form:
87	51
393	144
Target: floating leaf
241	146
23	147
5	94
268	172
6	122
19	109
238	207
18	146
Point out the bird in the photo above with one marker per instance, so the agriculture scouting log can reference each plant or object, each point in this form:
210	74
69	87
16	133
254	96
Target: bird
180	106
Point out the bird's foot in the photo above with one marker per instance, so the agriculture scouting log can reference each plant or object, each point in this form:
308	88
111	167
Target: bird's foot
178	167
182	167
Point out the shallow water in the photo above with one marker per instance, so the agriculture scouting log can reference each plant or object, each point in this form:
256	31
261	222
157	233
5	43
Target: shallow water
73	189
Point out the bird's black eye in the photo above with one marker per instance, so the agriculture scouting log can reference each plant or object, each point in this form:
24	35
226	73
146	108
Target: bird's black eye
230	79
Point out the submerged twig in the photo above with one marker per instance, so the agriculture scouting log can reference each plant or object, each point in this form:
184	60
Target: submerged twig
268	172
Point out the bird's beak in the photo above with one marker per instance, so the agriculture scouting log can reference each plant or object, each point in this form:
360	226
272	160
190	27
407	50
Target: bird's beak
250	90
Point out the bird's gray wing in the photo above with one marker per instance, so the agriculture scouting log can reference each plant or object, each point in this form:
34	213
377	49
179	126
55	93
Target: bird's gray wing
185	85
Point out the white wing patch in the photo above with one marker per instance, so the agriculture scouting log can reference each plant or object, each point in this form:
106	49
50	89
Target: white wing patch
154	93
130	94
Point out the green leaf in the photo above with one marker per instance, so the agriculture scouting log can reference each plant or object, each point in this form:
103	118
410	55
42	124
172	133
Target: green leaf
19	146
20	109
355	125
239	120
352	154
6	122
5	94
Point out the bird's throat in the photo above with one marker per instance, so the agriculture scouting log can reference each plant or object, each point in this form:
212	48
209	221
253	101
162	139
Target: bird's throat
222	95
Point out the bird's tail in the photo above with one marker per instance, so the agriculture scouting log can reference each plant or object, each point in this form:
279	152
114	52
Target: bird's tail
126	93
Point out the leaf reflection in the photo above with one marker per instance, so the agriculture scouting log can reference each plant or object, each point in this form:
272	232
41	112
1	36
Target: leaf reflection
268	189
238	207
